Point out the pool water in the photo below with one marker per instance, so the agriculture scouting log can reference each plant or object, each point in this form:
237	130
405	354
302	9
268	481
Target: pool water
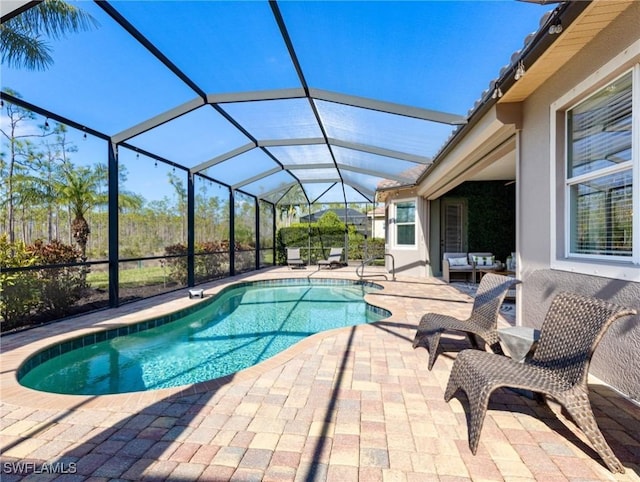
239	328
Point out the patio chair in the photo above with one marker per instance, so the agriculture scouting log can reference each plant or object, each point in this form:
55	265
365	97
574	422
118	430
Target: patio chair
482	323
454	263
333	260
558	368
293	258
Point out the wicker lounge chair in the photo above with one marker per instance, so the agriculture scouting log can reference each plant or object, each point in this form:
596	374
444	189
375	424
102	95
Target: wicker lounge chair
333	260
558	368
482	323
293	258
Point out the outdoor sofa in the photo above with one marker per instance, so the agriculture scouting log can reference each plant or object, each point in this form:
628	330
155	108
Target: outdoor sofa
467	264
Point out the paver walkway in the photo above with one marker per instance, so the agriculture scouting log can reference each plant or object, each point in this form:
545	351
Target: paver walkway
351	404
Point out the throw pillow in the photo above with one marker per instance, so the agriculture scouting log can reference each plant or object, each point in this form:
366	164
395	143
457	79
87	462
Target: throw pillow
484	260
458	262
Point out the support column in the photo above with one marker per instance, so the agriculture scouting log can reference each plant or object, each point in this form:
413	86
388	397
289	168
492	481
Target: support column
114	230
273	227
232	233
257	233
519	303
309	234
191	242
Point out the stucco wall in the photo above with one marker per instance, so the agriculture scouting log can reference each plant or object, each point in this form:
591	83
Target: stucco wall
616	361
617	358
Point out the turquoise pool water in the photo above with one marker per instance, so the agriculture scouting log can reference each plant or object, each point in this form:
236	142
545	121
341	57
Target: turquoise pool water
240	327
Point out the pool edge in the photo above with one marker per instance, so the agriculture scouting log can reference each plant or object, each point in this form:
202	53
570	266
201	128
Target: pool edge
117	324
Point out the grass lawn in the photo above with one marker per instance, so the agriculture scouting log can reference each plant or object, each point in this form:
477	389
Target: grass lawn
129	278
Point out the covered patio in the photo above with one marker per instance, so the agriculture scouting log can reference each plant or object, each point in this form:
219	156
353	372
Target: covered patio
349	404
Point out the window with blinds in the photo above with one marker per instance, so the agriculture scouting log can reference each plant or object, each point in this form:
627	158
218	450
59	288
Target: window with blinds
406	223
600	172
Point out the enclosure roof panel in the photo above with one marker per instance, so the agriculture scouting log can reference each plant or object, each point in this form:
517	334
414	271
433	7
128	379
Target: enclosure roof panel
234	172
191	138
276	119
222	46
267	184
302	154
308	175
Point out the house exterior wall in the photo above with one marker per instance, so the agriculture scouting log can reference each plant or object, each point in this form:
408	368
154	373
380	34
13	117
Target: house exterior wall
378	227
409	260
616	361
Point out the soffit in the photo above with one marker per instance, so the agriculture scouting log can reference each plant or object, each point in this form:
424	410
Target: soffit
596	17
490	160
489	141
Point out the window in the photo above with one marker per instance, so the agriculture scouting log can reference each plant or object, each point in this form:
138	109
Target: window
599	183
406	223
595	172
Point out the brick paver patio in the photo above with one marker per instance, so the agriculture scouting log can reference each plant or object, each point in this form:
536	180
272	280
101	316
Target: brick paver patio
355	403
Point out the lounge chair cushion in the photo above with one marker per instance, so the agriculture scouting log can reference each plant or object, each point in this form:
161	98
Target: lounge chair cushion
293	258
334	258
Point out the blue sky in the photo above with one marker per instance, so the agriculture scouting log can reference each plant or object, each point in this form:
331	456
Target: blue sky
438	55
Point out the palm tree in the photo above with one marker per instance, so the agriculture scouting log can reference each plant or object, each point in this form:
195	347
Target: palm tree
81	190
288	214
23	38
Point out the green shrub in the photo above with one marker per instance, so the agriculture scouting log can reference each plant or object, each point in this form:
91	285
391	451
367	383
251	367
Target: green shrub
18	291
316	240
330	220
60	288
212	260
177	266
48	292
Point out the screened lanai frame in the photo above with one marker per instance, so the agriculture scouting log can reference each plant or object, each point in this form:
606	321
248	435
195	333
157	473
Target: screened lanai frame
312	117
303	139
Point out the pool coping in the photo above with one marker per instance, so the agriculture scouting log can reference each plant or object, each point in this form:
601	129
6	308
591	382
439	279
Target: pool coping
43	337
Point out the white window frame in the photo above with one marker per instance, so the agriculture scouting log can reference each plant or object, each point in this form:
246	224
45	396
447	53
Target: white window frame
396	223
618	267
593	175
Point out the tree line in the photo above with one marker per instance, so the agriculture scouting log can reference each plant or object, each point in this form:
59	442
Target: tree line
54	214
50	192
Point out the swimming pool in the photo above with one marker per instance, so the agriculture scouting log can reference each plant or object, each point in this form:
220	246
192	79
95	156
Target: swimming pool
241	326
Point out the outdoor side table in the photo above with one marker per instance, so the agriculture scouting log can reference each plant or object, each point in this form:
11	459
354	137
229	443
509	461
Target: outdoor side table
519	341
482	270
